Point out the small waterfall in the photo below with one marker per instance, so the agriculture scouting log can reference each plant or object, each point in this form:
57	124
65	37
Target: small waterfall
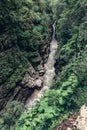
53	37
48	76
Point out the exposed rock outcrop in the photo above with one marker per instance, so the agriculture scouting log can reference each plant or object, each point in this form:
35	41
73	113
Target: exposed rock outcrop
47	78
81	121
32	79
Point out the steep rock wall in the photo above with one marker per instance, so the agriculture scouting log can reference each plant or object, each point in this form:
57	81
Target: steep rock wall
18	77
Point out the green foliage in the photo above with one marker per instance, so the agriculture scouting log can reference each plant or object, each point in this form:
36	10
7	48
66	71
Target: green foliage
68	91
52	108
10	115
66	96
23	22
80	67
23	30
13	66
25	25
71	27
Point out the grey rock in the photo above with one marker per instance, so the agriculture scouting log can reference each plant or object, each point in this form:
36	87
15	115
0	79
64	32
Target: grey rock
81	121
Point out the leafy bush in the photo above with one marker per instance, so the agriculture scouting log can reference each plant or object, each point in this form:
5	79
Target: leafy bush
52	108
10	115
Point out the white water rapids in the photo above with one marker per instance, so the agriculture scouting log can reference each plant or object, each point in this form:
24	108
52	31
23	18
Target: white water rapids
48	76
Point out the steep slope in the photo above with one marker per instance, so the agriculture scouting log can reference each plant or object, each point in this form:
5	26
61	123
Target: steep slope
24	47
47	77
69	91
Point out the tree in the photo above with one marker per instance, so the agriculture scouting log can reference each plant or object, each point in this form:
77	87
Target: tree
10	115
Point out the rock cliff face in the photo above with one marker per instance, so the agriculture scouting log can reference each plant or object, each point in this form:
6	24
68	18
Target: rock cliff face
31	79
24	48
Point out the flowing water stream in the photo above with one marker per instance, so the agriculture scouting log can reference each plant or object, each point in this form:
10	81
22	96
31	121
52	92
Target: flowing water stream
48	76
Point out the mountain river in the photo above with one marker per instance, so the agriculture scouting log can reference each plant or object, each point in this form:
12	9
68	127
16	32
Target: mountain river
48	76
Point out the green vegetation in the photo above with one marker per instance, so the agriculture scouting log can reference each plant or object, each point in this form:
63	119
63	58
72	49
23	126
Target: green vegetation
24	29
69	88
25	26
53	107
12	68
10	115
66	96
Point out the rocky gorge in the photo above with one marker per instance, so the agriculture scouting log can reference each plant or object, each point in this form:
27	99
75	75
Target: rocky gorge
33	79
43	65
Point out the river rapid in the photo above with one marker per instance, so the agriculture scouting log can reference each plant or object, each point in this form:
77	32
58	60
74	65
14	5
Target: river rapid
48	76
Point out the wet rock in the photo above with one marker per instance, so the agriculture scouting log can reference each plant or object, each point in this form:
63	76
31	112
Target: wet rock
15	93
44	52
5	42
40	70
46	80
32	79
38	82
68	128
